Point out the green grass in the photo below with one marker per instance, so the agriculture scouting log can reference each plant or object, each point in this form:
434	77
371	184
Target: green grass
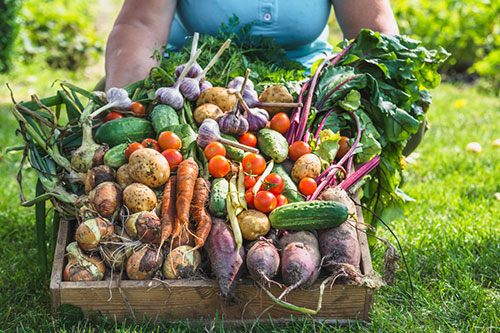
451	235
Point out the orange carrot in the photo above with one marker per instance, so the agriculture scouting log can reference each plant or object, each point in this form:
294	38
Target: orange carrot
187	172
168	211
199	212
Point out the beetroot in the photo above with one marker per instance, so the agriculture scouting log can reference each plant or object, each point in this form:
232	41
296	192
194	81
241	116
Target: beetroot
300	259
226	261
263	261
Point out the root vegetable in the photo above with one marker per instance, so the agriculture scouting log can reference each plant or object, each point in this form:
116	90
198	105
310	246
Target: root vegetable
187	173
253	224
300	260
276	94
181	263
143	264
138	197
117	250
81	267
90	233
144	226
308	165
218	96
205	111
149	167
98	175
199	211
123	177
106	199
225	259
263	261
168	209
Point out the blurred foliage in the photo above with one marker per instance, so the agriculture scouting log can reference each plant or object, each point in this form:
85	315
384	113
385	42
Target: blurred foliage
9	27
468	29
61	33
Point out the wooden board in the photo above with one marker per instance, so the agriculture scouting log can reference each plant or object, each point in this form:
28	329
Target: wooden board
201	299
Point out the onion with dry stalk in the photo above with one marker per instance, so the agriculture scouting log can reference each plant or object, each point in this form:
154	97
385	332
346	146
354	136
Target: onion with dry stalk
106	199
181	263
81	267
143	264
149	167
116	251
138	197
98	175
144	226
90	233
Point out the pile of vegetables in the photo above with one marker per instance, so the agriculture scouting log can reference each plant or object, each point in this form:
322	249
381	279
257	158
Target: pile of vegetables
251	168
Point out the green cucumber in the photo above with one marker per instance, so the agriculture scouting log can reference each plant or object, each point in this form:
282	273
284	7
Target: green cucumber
309	215
218	194
273	144
163	116
124	130
115	157
290	191
233	153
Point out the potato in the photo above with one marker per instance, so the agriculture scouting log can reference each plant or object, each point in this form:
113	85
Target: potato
123	177
253	224
205	111
138	197
276	94
149	167
218	96
308	165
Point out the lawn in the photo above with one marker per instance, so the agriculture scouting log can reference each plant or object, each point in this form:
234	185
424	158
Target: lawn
451	235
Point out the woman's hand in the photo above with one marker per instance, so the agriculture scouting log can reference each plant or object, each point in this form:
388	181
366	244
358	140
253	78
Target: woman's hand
141	27
354	15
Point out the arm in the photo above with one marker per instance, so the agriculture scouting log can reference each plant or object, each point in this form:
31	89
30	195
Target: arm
140	27
354	15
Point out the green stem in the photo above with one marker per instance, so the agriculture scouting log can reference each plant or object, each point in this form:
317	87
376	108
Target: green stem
48	102
40	229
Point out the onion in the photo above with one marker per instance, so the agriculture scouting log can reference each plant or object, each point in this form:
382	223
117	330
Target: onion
106	199
81	267
116	251
143	264
144	226
181	263
90	233
98	175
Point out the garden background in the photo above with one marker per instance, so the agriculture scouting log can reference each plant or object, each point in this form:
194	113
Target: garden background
450	235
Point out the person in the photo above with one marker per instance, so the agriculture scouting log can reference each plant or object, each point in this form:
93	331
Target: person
301	27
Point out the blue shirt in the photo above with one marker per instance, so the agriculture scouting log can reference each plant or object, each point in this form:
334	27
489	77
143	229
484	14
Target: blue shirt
300	27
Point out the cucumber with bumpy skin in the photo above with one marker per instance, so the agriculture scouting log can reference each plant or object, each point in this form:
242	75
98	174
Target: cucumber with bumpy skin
290	190
124	130
163	116
115	157
218	194
272	144
233	153
309	215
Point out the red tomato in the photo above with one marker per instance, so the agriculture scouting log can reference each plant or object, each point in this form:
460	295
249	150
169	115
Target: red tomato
265	201
248	139
174	157
112	116
169	140
298	149
274	183
343	147
150	143
131	148
219	166
214	149
249	181
253	164
138	109
280	122
307	186
249	198
281	200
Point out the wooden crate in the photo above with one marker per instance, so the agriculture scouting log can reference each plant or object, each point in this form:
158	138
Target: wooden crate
201	299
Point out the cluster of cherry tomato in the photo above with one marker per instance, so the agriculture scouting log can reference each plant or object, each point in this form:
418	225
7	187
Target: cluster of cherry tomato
168	145
218	164
137	108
